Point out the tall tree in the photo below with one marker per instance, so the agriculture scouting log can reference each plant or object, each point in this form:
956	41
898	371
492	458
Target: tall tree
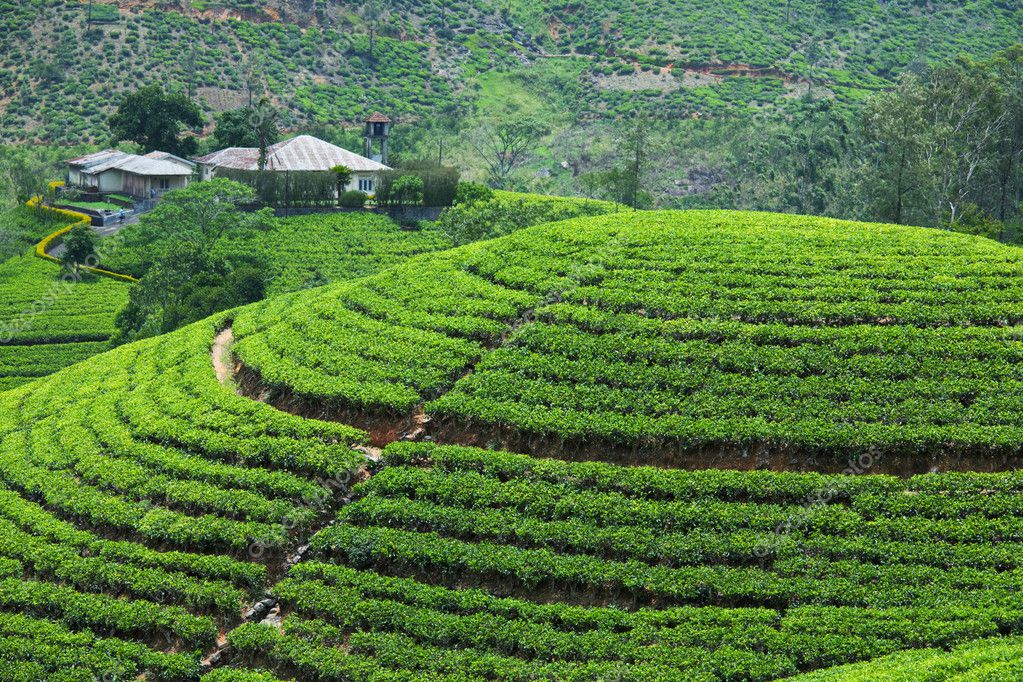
1008	69
635	146
26	170
966	117
257	127
155	120
502	146
265	121
375	13
896	132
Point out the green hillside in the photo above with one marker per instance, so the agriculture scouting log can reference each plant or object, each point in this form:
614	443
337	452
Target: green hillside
48	322
462	563
727	334
135	491
60	75
155	507
995	660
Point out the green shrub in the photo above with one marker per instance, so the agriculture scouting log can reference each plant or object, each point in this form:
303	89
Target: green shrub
353	199
439	185
469	193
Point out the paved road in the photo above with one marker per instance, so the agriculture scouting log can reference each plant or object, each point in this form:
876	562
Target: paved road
105	231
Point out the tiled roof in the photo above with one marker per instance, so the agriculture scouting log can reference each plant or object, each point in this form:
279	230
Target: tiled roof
377	117
302	153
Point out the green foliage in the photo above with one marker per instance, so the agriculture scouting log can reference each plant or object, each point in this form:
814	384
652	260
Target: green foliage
342	178
998	658
407	190
418	183
710	575
944	148
238	675
186	285
683	329
468	193
353	199
23	228
200	216
26	170
144	443
154	120
241	128
485	215
50	319
79	248
299	189
971	219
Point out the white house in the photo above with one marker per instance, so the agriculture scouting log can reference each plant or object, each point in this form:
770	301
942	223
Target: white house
119	172
298	154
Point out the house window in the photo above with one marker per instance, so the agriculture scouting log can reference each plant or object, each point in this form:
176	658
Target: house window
366	185
164	183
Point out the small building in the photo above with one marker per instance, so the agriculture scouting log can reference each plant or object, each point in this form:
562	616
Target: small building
115	172
378	129
302	154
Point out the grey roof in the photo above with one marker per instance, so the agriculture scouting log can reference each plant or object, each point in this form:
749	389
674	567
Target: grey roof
98	161
154	163
302	153
140	165
232	157
167	156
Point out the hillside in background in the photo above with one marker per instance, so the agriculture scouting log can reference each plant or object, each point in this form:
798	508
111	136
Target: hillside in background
61	75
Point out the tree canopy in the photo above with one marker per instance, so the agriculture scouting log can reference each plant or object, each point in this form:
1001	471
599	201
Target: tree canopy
156	120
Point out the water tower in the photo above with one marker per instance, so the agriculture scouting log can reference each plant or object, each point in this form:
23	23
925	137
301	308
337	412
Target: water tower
378	127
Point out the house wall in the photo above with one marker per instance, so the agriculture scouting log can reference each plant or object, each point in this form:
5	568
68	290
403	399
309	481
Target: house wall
174	182
357	178
111	181
140	185
108	181
136	185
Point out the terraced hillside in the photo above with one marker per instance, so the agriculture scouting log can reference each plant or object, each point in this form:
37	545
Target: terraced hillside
739	339
136	492
49	321
158	518
61	75
471	564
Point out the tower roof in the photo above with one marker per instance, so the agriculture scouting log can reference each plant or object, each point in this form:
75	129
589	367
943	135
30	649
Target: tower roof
377	117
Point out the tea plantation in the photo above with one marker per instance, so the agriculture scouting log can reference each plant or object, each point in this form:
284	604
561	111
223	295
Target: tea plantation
135	492
62	75
715	330
466	563
49	321
161	522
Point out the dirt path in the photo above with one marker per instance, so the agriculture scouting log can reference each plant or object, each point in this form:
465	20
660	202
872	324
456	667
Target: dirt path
221	355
